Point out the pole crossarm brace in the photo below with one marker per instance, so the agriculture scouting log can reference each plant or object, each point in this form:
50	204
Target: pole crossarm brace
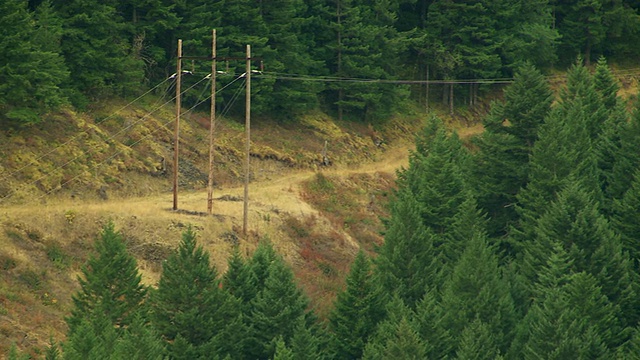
216	58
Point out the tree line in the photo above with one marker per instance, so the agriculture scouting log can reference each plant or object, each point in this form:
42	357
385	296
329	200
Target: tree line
80	51
521	246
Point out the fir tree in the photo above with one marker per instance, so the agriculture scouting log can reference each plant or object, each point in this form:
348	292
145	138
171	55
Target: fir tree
477	343
406	264
397	337
97	49
501	165
277	308
357	311
430	318
110	284
189	302
31	68
476	290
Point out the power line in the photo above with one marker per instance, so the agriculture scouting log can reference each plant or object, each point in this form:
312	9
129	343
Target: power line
11	174
3	199
83	153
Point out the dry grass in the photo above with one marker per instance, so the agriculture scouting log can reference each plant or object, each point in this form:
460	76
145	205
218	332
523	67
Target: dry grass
44	240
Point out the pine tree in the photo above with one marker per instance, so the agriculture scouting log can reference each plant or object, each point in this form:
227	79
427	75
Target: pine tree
397	337
500	167
31	69
307	343
140	342
477	343
189	302
626	220
97	49
406	263
476	290
110	285
277	308
357	311
239	280
282	351
52	352
365	46
575	222
430	318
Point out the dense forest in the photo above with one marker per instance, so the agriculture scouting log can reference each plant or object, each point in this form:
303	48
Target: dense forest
352	57
525	247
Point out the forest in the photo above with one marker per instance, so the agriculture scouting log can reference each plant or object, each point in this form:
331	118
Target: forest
353	58
522	244
524	247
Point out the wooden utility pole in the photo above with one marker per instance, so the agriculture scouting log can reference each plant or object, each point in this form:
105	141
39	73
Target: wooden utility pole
248	142
177	126
427	95
212	125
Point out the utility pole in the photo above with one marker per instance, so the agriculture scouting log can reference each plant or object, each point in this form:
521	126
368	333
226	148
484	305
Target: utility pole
212	123
427	95
177	126
248	143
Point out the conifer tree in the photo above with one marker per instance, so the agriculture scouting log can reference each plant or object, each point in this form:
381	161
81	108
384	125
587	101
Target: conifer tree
626	220
277	307
110	285
188	301
31	69
476	290
575	222
357	311
406	264
477	343
500	167
626	159
397	337
282	351
307	342
430	318
239	280
98	50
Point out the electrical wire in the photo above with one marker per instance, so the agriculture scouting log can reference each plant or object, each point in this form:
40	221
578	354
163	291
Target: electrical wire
11	174
2	199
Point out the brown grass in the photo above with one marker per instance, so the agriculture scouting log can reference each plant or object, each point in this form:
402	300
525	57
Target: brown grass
316	217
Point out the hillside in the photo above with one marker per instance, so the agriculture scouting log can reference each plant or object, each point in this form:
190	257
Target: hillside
64	179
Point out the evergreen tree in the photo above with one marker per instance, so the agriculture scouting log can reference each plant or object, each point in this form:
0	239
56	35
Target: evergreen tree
287	50
306	343
188	301
477	343
140	341
626	220
477	290
357	311
52	352
97	49
406	263
282	351
277	308
562	154
575	222
31	68
436	176
430	318
397	337
366	47
626	159
468	32
239	280
501	166
110	285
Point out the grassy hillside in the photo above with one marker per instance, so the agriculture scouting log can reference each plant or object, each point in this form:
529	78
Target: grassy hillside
64	179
